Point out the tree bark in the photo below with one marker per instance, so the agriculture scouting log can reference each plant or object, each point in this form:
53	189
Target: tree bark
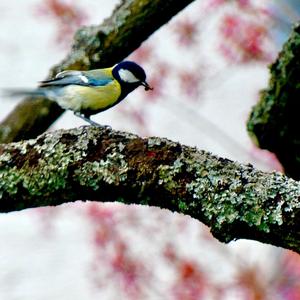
235	201
131	23
274	122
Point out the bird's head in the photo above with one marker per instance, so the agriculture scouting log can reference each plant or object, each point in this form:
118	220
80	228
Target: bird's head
130	75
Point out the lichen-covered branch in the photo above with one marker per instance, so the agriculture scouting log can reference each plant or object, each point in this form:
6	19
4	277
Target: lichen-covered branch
275	122
131	23
235	200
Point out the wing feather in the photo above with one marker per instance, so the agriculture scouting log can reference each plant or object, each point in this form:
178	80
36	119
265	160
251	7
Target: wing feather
99	77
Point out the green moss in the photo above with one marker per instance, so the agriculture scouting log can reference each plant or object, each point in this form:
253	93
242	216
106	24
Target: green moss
244	202
5	157
111	170
233	195
167	174
183	206
9	181
153	142
273	123
50	170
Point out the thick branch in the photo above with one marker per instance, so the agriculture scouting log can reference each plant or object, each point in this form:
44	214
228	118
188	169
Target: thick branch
132	22
275	121
235	200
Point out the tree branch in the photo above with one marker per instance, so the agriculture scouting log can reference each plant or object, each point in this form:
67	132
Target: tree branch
274	121
132	22
235	201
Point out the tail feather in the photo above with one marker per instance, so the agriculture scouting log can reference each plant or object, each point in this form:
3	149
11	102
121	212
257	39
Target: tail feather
23	92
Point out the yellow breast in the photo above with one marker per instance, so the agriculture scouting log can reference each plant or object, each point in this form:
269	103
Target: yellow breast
80	98
98	98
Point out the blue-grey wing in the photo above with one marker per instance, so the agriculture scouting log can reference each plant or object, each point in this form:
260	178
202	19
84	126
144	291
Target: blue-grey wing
85	78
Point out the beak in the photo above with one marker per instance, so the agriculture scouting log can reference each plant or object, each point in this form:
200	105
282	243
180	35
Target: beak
146	85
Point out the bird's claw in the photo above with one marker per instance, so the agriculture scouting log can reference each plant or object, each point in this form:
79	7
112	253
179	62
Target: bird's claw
91	122
106	127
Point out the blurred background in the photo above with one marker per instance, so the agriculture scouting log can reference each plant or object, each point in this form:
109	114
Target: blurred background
207	67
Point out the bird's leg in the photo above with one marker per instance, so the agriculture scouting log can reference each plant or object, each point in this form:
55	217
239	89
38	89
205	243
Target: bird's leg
87	119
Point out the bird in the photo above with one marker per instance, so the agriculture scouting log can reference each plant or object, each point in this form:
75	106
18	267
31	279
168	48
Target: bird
89	92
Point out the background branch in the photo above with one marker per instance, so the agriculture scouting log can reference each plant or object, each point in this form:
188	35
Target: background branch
235	201
274	122
132	22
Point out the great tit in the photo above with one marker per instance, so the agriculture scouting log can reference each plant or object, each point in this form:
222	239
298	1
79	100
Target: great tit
90	92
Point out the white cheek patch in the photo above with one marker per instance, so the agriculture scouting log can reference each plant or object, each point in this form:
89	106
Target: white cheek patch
127	76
